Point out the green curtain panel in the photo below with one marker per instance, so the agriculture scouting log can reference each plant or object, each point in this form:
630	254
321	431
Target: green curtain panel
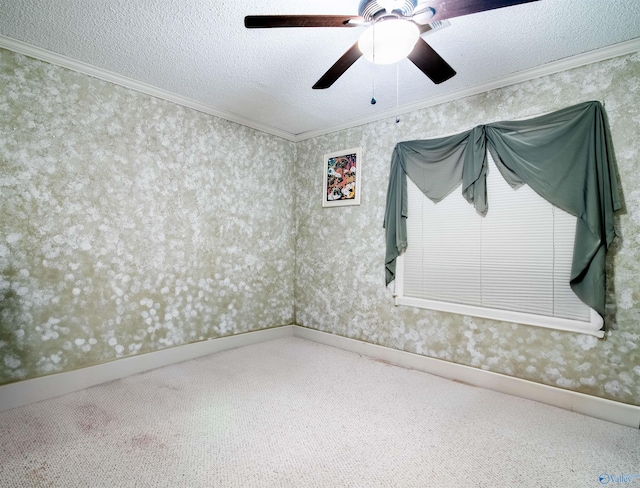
564	156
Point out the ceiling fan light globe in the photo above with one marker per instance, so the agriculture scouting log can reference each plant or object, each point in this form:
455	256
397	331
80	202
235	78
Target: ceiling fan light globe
394	41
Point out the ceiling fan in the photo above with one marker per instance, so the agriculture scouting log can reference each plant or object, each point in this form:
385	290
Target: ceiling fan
389	22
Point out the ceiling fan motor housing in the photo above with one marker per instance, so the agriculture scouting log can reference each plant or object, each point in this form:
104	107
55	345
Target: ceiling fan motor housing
370	9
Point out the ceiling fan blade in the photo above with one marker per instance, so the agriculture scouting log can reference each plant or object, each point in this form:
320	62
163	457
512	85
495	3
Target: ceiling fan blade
430	62
338	69
456	8
272	21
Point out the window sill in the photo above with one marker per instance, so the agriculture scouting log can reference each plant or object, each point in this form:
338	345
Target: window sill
593	327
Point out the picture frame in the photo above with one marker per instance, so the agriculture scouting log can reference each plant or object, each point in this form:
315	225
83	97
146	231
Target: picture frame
342	181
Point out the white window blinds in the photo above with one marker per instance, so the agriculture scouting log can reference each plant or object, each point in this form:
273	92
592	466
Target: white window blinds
513	264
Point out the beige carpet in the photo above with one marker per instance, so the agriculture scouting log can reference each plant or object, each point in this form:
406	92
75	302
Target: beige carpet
292	413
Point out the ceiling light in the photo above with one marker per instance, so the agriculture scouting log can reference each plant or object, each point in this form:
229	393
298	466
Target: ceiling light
389	41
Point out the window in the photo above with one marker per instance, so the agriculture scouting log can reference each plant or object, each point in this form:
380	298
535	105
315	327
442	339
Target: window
513	264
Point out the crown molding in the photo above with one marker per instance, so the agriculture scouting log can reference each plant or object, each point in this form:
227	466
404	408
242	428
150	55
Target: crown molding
609	52
21	47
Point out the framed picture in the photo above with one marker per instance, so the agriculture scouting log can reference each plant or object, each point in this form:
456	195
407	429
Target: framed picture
341	176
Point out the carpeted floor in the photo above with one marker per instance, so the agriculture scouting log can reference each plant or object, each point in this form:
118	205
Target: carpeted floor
292	413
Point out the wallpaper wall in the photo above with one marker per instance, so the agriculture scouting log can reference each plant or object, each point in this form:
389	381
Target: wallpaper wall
130	224
340	251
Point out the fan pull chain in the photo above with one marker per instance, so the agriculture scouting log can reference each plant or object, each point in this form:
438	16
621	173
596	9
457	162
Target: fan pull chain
397	92
373	85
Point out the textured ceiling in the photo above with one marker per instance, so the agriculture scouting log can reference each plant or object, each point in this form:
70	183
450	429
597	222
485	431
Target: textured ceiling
200	50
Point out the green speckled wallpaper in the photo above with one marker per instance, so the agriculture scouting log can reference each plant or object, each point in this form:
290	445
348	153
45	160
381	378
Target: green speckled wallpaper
340	251
130	224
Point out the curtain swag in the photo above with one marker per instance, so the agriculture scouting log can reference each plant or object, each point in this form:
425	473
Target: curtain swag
565	156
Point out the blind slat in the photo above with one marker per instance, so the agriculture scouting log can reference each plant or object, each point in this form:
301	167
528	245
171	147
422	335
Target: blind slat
517	257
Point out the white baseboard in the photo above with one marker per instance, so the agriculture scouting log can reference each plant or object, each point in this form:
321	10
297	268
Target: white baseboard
38	389
612	411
